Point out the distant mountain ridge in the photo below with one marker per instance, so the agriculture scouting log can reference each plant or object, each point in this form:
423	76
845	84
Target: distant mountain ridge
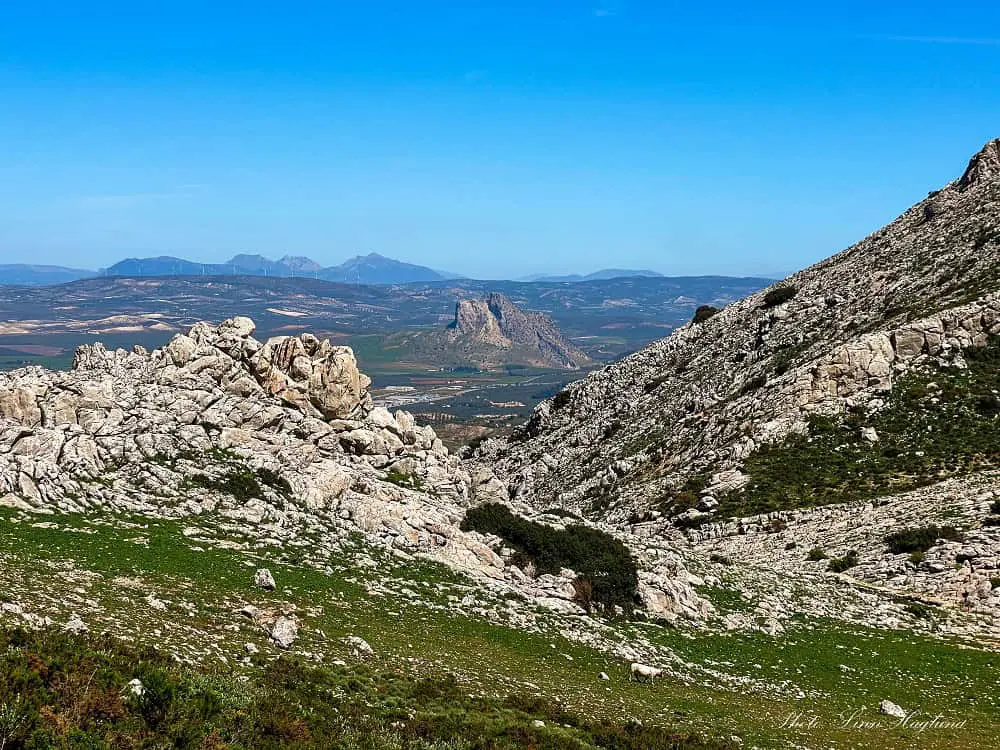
25	274
603	275
362	269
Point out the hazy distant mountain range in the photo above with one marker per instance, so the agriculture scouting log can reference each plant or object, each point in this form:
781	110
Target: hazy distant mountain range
362	269
29	275
602	275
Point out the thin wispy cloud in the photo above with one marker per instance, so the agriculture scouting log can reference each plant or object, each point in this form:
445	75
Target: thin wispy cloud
971	41
607	10
119	201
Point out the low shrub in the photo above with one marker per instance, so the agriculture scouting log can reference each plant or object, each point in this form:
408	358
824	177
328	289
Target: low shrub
242	485
693	522
840	564
703	313
598	558
920	539
561	399
816	554
652	385
242	482
919	610
753	384
779	295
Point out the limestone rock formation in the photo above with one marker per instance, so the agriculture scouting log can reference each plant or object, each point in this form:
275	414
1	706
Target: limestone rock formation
278	438
498	323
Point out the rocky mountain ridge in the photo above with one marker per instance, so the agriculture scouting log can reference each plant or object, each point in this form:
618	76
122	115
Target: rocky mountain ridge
732	436
830	338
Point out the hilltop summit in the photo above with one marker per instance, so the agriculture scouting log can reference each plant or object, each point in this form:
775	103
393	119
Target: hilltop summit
984	166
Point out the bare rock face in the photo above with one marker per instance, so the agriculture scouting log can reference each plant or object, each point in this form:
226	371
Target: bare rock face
498	322
475	318
313	375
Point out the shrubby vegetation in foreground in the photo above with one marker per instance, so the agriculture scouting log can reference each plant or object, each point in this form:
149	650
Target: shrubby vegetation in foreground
58	690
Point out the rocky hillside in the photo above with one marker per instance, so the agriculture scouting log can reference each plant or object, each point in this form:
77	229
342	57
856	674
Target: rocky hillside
832	338
868	383
495	330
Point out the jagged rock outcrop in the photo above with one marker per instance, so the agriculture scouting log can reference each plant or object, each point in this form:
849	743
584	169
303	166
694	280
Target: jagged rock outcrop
277	437
498	323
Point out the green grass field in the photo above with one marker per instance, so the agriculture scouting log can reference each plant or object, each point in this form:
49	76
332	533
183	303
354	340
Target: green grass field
742	684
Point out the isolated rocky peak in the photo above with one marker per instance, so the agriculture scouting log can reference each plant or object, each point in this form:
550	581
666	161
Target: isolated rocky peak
498	322
300	263
836	337
984	166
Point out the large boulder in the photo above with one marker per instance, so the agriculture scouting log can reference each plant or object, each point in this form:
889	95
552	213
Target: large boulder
313	375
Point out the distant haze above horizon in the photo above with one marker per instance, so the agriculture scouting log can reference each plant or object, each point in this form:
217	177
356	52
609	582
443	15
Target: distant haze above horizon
506	140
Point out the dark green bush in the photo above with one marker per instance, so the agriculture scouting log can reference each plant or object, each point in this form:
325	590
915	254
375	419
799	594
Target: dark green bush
242	485
919	610
652	385
840	564
703	313
596	557
920	539
561	399
816	554
779	295
753	384
242	482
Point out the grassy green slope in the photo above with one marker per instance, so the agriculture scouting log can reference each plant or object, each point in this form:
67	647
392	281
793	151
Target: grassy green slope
739	684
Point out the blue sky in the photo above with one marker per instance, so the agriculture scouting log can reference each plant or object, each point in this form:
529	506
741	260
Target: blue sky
491	139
